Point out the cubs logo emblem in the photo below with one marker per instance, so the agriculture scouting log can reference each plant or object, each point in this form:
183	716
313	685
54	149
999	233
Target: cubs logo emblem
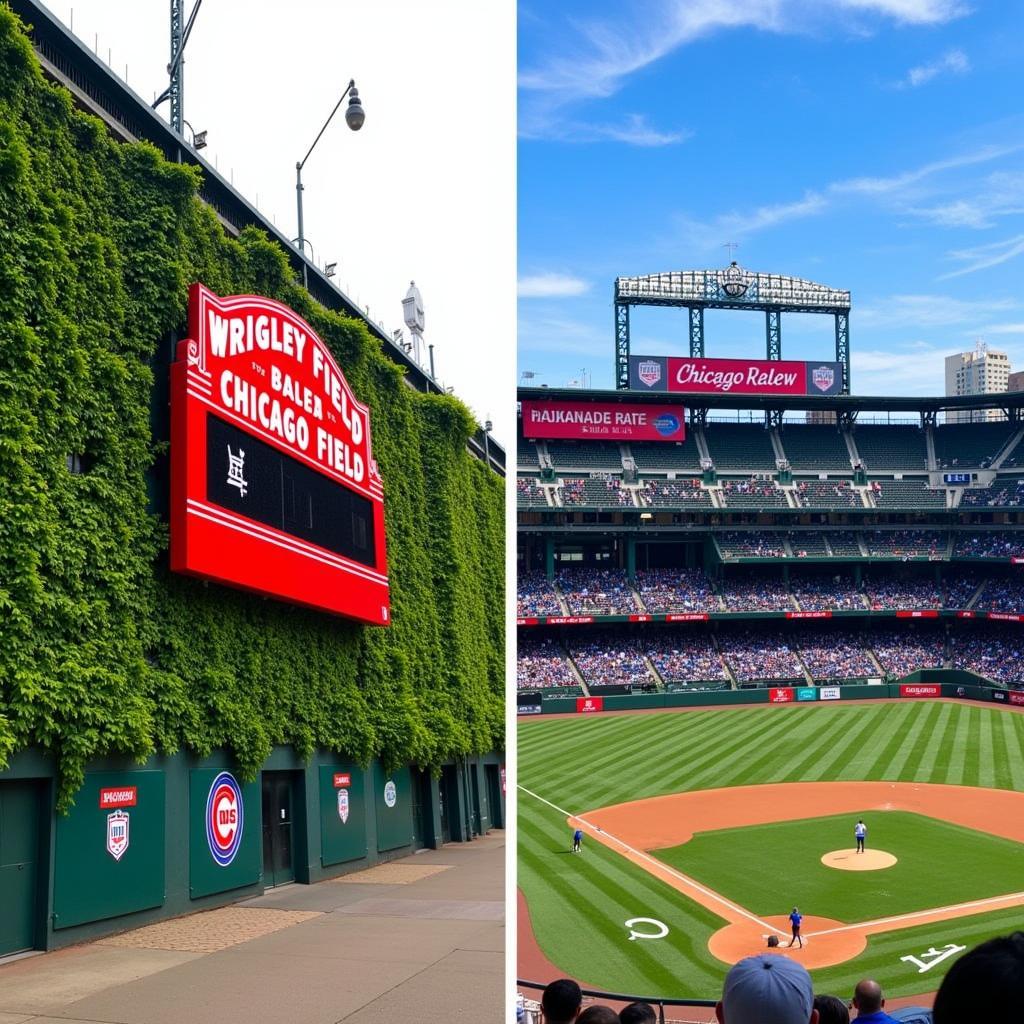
649	372
823	377
224	819
343	805
390	794
117	834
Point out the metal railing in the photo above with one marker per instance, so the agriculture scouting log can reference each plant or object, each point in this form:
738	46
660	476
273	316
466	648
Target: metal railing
658	1002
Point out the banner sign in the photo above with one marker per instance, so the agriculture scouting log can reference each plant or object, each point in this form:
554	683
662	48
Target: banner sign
274	487
529	709
829	692
342	779
780	695
734	376
809	615
126	796
688	617
641	618
1016	697
608	421
569	620
999	695
1005	617
922	613
920	690
807	693
532	620
587	704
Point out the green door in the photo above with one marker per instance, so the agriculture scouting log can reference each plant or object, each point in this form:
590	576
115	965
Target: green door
19	865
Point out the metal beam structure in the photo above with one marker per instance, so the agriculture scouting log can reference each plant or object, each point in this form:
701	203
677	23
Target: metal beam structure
696	332
621	343
731	288
176	88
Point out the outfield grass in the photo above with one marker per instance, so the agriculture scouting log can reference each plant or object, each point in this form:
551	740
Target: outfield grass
768	869
578	905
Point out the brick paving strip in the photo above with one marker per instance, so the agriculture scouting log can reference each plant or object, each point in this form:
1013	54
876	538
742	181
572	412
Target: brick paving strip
210	930
392	874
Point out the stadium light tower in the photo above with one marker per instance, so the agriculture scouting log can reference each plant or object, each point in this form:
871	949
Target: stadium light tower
354	118
412	311
175	91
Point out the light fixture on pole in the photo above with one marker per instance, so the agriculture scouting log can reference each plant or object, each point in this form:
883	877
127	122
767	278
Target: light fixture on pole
488	427
330	269
175	91
354	118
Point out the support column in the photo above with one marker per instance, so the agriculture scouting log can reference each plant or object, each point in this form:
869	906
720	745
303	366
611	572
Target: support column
696	332
621	345
549	557
631	558
843	347
773	333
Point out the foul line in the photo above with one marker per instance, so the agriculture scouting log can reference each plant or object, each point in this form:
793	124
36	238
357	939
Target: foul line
946	911
661	865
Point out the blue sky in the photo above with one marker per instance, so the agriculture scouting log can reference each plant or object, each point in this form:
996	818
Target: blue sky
873	145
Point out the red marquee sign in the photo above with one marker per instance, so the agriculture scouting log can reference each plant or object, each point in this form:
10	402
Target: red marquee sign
780	694
920	690
274	487
126	796
610	421
586	705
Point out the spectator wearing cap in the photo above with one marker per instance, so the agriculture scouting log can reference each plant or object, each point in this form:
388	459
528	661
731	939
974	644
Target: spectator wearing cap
986	984
561	1002
767	989
638	1013
869	1003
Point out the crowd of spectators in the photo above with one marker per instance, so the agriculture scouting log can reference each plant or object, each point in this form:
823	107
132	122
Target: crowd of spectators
992	651
676	590
1005	594
673	492
997	544
756	593
541	664
597	592
827	493
959	589
607	658
817	593
686	659
759	654
905	543
902	651
528	491
901	592
594	491
536	595
751	545
1001	494
834	655
755	487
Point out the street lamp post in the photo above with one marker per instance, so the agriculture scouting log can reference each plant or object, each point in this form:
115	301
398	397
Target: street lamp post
354	118
488	427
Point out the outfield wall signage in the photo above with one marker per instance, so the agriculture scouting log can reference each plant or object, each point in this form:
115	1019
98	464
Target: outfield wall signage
827	614
918	613
1016	697
999	696
589	704
607	421
780	695
274	487
734	376
807	693
829	692
126	796
920	690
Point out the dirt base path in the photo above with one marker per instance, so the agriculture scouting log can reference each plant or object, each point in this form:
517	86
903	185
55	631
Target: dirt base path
631	829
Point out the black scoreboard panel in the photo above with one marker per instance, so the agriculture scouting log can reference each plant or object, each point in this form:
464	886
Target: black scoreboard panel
254	479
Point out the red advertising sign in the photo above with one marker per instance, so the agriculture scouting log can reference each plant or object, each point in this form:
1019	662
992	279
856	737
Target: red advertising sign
342	779
1005	617
126	796
587	704
965	615
921	613
609	421
568	620
688	617
531	620
920	690
274	487
640	618
780	695
1016	697
734	376
809	615
1017	561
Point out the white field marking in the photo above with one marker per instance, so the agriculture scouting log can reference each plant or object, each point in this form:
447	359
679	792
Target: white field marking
661	865
920	914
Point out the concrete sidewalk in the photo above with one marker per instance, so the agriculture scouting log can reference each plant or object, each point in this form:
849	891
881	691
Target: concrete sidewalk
416	940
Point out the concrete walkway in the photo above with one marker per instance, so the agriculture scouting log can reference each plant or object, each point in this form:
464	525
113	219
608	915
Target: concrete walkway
421	939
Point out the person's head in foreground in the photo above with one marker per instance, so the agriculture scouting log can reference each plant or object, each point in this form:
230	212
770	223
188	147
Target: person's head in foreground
985	984
598	1015
561	1002
638	1013
831	1010
767	989
867	999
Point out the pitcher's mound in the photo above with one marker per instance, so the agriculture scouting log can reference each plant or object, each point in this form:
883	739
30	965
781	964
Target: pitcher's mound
745	938
851	860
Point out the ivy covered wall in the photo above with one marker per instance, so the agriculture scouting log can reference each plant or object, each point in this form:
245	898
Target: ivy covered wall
102	650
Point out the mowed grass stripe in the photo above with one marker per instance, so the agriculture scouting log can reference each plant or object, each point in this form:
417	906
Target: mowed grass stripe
1014	756
972	768
817	751
986	754
911	750
860	731
894	737
858	764
940	735
958	750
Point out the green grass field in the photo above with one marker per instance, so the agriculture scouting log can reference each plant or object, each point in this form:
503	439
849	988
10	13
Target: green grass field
929	872
578	905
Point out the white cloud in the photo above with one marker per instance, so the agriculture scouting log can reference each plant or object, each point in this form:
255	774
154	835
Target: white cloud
553	336
912	12
1000	195
551	286
981	257
937	311
954	62
1017	328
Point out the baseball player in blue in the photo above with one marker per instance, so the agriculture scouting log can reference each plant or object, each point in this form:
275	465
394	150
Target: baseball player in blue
860	833
794	920
577	839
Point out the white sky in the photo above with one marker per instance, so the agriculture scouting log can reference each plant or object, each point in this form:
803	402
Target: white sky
425	191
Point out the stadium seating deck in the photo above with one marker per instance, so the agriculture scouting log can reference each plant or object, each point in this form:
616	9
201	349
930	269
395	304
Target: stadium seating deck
751	544
752	492
836	493
529	494
655	457
990	544
676	590
1005	492
585	455
739	446
686	659
913	493
541	665
526	453
891	447
536	595
681	493
905	543
963	445
815	447
806	544
595	492
597	592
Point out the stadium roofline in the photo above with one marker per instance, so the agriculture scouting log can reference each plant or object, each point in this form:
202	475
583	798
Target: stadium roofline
832	403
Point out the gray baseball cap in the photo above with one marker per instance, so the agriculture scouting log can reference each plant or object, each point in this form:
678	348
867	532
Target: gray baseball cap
767	989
